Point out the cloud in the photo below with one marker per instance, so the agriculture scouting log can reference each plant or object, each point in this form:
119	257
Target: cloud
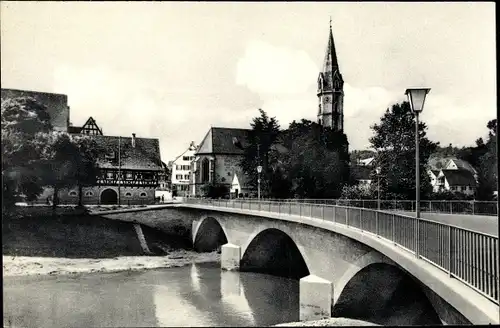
267	69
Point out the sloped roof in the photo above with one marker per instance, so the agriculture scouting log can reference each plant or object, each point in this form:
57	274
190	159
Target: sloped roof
462	165
144	156
459	177
224	141
361	172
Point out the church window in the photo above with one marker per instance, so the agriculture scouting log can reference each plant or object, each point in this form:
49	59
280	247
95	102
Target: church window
319	109
128	194
72	193
89	193
205	170
143	194
327	99
110	175
129	176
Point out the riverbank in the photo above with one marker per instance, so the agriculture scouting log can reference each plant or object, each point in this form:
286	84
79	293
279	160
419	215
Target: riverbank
30	265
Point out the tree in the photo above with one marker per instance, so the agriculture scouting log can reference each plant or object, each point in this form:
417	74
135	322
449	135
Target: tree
357	192
488	165
315	161
394	141
25	124
262	137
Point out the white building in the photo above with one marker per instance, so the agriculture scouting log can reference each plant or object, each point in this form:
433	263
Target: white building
181	171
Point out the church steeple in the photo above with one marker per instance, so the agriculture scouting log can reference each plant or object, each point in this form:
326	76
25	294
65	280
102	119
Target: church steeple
330	89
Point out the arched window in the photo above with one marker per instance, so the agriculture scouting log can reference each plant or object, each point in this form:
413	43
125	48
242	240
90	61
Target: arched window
89	193
205	170
73	193
143	194
128	194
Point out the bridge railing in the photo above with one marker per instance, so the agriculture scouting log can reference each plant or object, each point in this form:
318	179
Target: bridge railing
469	256
471	207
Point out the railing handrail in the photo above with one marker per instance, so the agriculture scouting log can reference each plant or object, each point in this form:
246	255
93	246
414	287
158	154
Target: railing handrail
466	272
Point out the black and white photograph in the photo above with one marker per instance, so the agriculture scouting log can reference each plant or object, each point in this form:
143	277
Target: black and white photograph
245	164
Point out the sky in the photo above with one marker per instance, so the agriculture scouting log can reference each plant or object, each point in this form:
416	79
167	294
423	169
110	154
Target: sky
171	70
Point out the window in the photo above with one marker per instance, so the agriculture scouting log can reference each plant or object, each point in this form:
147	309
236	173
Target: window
185	158
228	174
129	175
186	176
205	170
73	193
143	194
110	175
89	193
128	194
178	176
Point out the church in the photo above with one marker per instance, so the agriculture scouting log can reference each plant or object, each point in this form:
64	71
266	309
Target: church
217	160
331	90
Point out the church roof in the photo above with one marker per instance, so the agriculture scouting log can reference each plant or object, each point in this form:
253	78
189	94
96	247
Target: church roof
144	156
330	63
229	141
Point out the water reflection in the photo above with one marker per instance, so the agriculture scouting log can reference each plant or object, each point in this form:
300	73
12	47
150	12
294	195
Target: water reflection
196	295
233	294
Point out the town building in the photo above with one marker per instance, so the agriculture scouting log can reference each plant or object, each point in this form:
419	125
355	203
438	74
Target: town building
181	171
217	161
331	90
130	168
457	176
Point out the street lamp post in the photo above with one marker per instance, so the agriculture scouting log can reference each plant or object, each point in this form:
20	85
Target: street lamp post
259	170
378	187
416	98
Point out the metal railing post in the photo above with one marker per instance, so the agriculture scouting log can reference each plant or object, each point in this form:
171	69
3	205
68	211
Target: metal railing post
473	202
347	216
361	219
393	227
417	238
430	206
279	208
376	223
290	208
451	207
259	206
300	209
450	261
323	212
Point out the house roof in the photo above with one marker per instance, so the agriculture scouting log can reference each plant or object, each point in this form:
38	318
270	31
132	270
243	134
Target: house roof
459	177
224	141
361	172
74	129
435	172
144	156
462	165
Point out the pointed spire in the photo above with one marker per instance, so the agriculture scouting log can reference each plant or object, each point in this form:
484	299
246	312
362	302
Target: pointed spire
330	63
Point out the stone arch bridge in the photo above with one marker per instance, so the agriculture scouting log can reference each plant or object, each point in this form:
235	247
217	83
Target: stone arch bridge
343	271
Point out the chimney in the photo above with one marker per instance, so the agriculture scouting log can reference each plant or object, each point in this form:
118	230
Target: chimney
133	140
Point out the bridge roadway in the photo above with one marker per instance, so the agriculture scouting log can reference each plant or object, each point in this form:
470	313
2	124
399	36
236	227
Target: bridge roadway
480	223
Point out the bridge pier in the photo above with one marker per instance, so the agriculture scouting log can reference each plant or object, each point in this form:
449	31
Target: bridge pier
230	257
315	295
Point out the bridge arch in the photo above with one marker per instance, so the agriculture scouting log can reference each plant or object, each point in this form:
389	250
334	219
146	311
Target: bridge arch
208	234
273	251
383	293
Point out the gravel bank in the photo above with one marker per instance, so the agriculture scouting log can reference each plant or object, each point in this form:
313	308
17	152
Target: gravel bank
331	322
28	265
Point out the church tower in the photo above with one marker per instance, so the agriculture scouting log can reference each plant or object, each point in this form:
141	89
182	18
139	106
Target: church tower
331	90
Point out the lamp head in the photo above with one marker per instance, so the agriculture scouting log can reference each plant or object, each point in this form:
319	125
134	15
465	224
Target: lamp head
416	98
259	169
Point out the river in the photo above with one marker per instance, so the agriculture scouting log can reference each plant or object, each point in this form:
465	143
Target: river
193	295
